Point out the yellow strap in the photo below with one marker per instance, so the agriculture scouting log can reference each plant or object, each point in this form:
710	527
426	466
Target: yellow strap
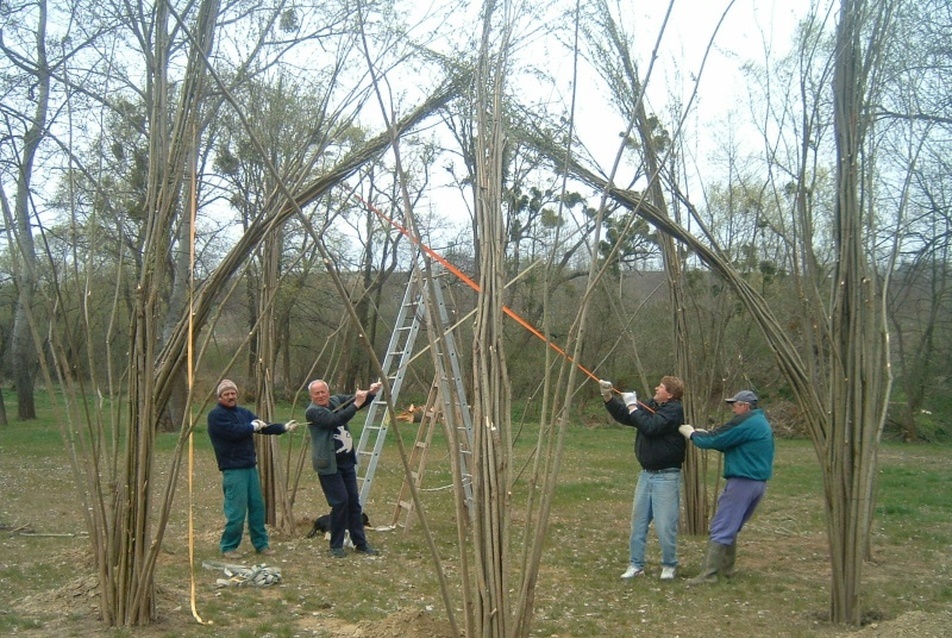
191	379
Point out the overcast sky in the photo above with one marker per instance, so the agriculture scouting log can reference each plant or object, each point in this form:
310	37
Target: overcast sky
749	31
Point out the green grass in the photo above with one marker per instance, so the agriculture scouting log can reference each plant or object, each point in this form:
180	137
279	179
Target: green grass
781	590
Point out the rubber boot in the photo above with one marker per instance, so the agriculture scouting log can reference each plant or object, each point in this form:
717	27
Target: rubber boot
713	564
730	555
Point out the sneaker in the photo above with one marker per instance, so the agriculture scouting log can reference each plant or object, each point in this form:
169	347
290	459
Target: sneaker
632	572
338	552
267	551
367	549
232	554
667	573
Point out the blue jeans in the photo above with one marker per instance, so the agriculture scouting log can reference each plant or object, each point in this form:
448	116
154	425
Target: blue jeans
658	498
242	490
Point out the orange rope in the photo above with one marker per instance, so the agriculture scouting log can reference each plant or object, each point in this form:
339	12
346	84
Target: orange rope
472	284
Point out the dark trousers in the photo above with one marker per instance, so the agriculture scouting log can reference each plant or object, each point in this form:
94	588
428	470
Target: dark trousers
342	495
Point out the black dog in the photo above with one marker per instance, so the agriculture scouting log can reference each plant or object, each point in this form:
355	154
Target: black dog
323	524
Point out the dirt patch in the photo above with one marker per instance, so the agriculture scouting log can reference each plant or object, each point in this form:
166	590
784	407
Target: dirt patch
409	623
913	624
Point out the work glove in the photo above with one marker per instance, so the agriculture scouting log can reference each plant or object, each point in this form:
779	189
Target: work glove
630	399
258	425
605	387
290	425
686	430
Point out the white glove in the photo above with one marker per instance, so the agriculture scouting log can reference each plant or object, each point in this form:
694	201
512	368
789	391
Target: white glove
630	399
686	430
290	425
605	387
258	425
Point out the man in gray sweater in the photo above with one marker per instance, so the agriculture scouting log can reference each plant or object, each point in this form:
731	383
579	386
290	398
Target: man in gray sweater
335	460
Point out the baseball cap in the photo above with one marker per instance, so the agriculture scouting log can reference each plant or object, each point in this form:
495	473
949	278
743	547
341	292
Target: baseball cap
744	396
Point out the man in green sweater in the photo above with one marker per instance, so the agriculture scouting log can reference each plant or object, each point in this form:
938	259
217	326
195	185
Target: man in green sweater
748	446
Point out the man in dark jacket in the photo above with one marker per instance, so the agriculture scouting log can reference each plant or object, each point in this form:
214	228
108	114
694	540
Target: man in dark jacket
748	445
232	429
659	448
335	460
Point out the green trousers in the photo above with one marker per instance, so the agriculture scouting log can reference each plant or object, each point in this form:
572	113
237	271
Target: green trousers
242	490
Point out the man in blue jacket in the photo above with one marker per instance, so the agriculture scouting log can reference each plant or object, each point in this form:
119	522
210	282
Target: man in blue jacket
747	443
232	429
659	450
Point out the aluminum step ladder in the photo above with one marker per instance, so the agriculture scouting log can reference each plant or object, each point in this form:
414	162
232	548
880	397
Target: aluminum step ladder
445	403
448	385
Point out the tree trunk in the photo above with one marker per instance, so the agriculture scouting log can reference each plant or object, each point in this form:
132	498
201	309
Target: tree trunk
491	414
174	413
3	409
128	555
263	324
23	342
859	355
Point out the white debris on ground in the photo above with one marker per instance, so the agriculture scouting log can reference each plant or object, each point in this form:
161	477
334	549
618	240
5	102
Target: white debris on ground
244	576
